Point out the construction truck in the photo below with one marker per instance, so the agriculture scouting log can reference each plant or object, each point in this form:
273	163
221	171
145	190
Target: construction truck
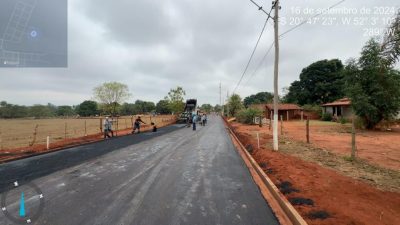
190	107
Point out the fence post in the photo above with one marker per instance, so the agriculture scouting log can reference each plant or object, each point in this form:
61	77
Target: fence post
101	125
308	130
270	121
287	115
116	131
1	140
258	140
281	124
48	142
85	129
34	135
353	139
269	126
65	131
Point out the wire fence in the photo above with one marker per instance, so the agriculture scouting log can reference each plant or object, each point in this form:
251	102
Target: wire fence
20	133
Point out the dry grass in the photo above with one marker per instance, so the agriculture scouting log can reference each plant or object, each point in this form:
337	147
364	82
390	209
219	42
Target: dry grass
385	179
16	133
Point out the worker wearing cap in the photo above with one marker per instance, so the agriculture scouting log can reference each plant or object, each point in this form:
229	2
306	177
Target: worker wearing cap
107	127
194	119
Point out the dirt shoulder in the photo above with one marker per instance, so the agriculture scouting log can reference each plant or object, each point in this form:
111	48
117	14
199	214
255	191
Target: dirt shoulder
324	187
381	148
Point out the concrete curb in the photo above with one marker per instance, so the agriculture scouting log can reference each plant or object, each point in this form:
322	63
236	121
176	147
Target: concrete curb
282	208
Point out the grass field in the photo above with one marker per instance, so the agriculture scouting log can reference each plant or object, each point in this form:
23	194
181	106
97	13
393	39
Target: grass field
17	133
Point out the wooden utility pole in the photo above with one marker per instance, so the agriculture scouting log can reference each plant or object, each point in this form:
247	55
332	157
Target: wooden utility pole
308	130
220	94
227	104
353	139
276	73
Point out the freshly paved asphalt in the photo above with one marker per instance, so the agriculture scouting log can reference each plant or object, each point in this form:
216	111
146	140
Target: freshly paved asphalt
175	176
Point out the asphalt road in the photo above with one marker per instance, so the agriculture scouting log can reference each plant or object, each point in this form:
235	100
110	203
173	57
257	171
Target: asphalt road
175	176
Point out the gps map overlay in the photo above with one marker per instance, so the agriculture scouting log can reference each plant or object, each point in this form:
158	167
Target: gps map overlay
33	33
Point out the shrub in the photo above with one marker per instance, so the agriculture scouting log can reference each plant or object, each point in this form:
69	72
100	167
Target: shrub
359	123
342	120
326	117
247	116
313	108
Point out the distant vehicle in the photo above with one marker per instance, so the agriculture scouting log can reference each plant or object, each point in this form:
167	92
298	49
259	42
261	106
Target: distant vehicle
190	106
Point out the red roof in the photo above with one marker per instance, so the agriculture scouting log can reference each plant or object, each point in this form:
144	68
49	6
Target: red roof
284	107
343	101
258	106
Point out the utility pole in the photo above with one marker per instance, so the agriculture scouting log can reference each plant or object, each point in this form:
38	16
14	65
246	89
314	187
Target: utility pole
220	95
227	104
276	73
223	106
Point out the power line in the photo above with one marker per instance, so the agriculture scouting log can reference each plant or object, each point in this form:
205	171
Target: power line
312	17
255	48
252	54
260	63
261	8
284	33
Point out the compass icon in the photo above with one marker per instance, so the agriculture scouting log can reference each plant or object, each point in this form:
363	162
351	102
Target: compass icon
23	204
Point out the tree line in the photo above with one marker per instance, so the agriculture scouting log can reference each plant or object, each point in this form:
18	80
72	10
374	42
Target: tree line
109	99
86	108
371	82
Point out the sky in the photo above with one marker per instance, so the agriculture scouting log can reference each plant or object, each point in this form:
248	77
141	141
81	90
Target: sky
153	46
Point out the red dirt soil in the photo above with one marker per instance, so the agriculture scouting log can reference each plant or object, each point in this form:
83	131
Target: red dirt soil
378	147
16	153
348	201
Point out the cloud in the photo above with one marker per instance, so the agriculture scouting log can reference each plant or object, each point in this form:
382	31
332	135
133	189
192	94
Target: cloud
153	46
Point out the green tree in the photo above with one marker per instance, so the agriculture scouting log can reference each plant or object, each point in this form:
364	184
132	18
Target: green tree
87	108
65	110
235	104
142	107
247	115
259	98
162	107
390	49
6	110
217	108
372	86
12	111
127	109
206	108
19	111
41	111
111	95
321	82
175	98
